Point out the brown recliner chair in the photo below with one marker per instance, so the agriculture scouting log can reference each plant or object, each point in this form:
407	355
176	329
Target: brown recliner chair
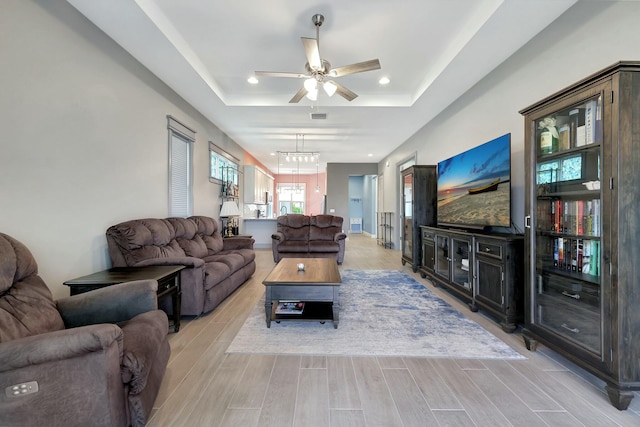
94	359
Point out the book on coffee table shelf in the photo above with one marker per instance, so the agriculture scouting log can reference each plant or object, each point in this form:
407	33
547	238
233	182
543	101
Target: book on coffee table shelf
290	307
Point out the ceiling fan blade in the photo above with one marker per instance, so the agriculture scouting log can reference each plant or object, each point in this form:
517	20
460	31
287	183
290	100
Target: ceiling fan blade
312	51
360	67
298	96
279	74
344	92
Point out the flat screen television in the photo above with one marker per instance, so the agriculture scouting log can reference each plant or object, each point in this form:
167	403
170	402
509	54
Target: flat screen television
474	187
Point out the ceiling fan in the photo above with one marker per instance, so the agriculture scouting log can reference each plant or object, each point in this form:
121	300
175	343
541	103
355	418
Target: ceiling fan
319	71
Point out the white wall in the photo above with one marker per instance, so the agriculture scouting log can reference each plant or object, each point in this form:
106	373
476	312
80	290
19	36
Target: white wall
588	37
84	139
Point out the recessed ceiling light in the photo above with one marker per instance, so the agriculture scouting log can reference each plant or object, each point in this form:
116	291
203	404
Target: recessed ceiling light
370	155
273	154
252	80
384	81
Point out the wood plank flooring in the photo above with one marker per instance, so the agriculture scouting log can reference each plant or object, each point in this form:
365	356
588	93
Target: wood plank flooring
204	386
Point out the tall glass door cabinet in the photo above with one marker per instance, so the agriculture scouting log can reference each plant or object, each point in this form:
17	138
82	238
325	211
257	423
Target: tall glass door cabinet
418	208
582	154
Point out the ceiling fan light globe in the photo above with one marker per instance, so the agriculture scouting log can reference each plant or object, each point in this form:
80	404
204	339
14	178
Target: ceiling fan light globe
311	84
312	95
330	87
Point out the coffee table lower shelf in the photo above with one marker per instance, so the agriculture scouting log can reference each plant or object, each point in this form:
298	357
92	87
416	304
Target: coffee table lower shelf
314	311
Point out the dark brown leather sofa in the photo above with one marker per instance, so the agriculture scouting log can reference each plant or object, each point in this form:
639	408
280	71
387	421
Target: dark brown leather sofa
304	236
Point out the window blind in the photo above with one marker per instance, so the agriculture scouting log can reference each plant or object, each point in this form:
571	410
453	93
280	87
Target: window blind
180	169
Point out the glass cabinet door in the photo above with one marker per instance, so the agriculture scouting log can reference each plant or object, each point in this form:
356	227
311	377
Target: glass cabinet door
442	256
407	194
460	262
567	216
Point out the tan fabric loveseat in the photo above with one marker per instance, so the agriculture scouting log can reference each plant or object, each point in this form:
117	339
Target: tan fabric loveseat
304	236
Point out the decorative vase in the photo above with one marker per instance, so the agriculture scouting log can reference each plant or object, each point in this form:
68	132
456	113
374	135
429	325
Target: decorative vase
548	136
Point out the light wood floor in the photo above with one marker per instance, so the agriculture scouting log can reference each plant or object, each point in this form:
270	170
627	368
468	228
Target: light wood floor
205	387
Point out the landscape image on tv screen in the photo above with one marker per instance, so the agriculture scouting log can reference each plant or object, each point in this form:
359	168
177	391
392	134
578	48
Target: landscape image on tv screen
474	188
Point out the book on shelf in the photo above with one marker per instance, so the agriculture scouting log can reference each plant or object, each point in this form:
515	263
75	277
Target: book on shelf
576	255
576	120
590	121
591	257
290	307
580	217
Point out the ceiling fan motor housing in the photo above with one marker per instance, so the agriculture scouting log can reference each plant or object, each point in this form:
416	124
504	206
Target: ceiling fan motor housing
317	19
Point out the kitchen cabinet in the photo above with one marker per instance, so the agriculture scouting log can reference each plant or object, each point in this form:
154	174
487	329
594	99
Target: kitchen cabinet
258	185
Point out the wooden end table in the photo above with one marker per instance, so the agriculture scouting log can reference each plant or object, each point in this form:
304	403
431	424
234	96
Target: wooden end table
317	286
167	276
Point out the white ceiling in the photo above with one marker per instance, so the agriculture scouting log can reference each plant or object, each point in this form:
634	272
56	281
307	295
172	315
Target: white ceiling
432	50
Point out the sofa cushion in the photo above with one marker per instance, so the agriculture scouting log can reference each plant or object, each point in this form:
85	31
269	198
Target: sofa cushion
209	230
184	228
214	273
249	255
323	246
294	246
26	305
194	247
294	227
143	239
172	250
234	261
324	227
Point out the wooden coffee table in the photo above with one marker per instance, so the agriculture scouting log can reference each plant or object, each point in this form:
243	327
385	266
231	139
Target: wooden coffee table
317	286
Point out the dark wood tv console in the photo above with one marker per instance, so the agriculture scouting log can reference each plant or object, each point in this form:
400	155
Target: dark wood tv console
485	270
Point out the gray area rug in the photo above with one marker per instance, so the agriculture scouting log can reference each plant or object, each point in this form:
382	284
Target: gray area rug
382	313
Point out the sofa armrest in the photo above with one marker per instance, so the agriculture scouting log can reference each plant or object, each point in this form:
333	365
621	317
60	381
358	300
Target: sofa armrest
237	243
278	236
58	345
111	304
339	236
186	261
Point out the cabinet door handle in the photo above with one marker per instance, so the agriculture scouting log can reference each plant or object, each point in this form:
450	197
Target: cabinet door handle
574	330
570	295
527	221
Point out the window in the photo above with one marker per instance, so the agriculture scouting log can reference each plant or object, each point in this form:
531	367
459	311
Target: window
291	197
220	163
181	139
